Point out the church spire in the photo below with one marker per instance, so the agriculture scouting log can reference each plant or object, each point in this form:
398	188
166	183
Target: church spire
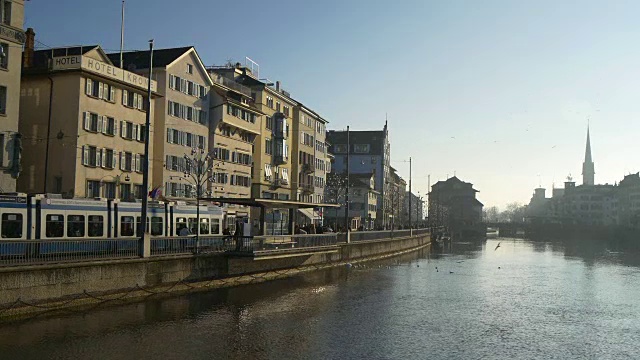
588	172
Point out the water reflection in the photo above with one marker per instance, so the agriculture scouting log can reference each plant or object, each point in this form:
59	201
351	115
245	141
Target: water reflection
526	299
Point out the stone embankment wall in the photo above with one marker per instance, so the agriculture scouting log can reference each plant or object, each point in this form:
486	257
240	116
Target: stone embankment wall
57	282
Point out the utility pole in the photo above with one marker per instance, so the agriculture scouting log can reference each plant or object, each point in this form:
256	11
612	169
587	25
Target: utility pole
145	241
122	37
346	203
410	195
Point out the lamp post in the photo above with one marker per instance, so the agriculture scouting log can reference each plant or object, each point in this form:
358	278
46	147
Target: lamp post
145	242
117	179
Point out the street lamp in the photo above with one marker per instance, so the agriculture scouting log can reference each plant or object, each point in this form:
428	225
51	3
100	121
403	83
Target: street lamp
117	180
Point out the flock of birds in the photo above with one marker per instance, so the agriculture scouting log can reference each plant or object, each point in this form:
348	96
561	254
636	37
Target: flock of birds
349	265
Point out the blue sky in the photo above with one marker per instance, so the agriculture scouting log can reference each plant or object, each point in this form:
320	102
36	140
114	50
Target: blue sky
497	92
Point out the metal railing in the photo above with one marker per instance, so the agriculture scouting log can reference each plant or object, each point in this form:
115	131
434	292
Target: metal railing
284	242
225	81
32	252
29	252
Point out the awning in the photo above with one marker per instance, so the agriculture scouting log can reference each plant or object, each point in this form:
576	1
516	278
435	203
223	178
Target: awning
269	203
310	213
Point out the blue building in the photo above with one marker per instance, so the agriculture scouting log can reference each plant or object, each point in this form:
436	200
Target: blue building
369	153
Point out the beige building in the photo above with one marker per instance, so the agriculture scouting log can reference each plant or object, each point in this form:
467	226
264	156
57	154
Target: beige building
182	116
12	37
82	120
309	160
235	125
272	146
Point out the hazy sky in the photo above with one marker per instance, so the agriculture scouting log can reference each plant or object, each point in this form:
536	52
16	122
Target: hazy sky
498	92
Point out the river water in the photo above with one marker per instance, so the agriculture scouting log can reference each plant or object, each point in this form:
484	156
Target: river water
525	300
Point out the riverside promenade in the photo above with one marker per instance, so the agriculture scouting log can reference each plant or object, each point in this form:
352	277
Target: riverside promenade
50	276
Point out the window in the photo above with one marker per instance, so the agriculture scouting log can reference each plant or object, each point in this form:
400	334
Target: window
215	226
126	226
277	105
11	226
361	148
4	60
126	161
270	102
189	69
156	225
108	125
137	191
54	226
268	147
3	100
6	12
91	156
340	148
193	225
267	172
285	111
181	223
125	191
93	188
110	190
1	150
92	122
269	123
204	226
75	226
96	225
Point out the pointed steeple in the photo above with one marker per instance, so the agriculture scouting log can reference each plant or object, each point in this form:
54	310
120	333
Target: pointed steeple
588	172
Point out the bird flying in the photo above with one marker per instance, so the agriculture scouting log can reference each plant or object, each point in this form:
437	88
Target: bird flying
497	247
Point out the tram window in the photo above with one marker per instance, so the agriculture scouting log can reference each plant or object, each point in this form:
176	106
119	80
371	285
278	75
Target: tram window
75	226
138	225
181	223
156	225
11	226
55	226
126	226
204	226
193	225
215	226
96	225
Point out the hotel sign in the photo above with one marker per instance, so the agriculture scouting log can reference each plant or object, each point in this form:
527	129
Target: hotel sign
11	34
101	68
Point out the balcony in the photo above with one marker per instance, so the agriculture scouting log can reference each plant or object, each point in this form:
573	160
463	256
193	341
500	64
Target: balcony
227	82
307	188
307	169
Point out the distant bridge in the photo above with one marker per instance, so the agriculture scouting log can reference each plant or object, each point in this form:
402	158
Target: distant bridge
508	228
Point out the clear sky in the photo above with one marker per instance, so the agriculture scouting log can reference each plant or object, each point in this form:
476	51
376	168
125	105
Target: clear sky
497	92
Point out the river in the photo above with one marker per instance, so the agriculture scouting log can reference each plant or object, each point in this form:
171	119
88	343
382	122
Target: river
525	300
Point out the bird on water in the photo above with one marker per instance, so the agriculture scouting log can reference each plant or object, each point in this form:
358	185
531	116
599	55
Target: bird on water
497	247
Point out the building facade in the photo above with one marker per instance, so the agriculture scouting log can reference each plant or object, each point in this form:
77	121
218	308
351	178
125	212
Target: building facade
181	121
363	201
416	211
12	37
235	125
453	204
369	152
82	119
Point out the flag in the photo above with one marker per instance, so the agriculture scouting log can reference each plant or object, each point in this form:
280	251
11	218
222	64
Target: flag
155	192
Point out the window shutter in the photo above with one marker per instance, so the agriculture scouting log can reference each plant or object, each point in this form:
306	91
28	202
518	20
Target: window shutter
88	87
135	100
100	124
168	162
103	157
98	157
115	127
169	136
113	160
125	97
85	155
138	163
123	129
100	90
112	93
122	161
140	102
135	132
87	120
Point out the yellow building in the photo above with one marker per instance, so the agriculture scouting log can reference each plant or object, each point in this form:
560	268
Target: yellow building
11	39
235	124
181	122
82	120
309	160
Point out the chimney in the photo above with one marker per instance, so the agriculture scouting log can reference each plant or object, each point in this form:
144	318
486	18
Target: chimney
29	44
277	85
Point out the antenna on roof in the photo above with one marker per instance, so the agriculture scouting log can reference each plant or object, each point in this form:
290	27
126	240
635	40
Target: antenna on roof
122	36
